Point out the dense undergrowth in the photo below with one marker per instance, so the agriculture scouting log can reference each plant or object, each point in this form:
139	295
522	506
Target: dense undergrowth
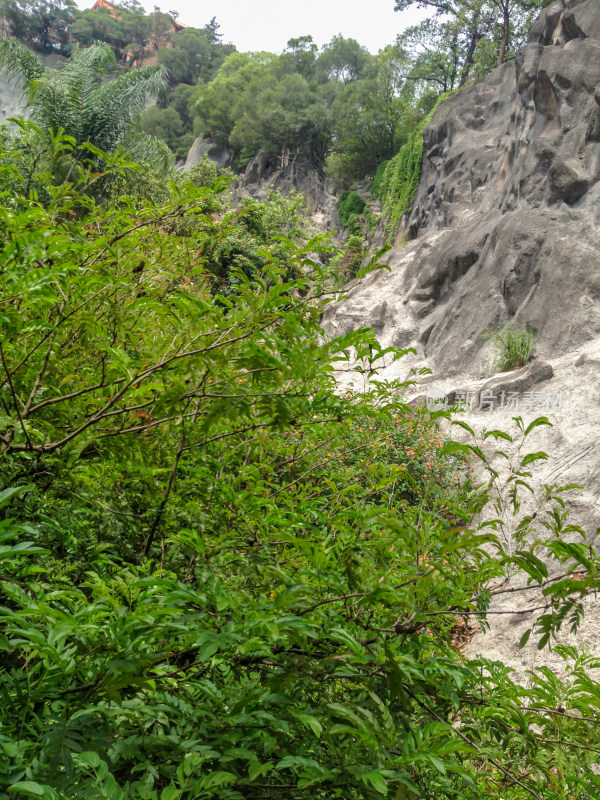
397	183
221	576
394	183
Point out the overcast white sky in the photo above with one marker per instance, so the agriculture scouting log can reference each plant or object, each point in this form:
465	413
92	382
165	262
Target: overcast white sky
268	24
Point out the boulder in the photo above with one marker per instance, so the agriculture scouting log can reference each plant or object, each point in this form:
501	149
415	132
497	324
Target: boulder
204	146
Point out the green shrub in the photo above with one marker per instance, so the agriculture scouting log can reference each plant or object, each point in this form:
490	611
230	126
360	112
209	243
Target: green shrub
350	207
514	348
203	174
354	255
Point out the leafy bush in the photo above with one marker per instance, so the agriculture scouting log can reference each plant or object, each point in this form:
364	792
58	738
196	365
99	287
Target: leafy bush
225	577
350	207
514	348
203	174
354	255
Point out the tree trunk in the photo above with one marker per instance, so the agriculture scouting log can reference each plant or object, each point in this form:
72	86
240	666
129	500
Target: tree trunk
505	33
469	60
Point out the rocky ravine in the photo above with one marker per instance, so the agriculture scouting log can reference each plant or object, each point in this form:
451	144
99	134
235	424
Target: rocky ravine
505	227
287	173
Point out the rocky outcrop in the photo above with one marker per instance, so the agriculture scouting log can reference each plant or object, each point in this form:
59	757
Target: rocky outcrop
505	225
204	146
505	228
286	174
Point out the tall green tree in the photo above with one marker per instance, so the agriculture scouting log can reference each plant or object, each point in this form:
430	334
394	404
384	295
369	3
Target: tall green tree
343	59
219	105
43	24
467	23
188	56
283	115
371	118
193	54
160	26
436	52
300	56
99	25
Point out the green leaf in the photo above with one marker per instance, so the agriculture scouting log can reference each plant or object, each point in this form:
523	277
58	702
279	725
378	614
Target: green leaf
170	793
497	434
377	781
524	639
8	494
531	457
536	424
33	789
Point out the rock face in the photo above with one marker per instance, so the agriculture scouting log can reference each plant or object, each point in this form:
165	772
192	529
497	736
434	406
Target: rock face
11	101
505	225
266	172
505	228
203	146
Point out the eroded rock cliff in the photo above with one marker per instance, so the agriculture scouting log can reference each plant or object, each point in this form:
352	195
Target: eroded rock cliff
505	227
288	174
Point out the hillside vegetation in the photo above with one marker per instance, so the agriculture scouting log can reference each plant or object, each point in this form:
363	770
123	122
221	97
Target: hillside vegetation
221	575
340	106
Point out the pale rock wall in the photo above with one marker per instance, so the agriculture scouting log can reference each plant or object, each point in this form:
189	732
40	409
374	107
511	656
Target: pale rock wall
505	227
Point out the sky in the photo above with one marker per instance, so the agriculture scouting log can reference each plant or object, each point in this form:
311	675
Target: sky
268	24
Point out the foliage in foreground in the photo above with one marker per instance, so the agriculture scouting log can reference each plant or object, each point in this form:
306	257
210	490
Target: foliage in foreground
221	577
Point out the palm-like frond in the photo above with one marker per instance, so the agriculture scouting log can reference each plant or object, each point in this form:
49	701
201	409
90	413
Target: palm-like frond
118	103
78	99
91	59
62	98
150	151
20	63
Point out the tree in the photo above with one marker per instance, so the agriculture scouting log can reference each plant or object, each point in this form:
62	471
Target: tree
43	24
343	59
371	118
136	31
219	104
188	56
300	56
100	26
211	29
468	22
77	99
437	55
283	115
160	26
165	124
516	17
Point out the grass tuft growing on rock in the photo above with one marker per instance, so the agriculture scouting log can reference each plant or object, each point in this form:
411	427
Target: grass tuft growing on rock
514	348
